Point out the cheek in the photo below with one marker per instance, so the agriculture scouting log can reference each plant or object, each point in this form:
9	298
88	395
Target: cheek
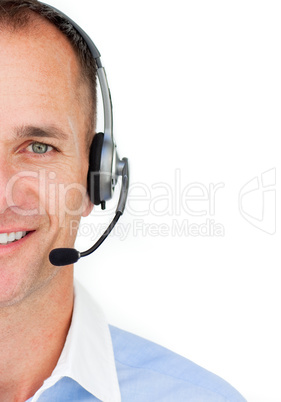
66	198
66	205
72	199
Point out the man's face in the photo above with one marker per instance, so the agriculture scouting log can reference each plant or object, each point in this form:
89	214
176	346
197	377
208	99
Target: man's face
43	168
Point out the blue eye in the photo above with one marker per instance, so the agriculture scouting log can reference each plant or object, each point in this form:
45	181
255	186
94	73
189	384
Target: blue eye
39	148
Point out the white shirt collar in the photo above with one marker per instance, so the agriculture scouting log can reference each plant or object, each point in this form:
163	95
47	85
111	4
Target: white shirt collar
87	356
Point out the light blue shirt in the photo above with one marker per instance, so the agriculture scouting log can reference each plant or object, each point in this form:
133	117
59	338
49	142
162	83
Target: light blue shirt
102	365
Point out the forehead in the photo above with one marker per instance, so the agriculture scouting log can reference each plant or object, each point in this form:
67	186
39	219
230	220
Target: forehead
40	77
40	39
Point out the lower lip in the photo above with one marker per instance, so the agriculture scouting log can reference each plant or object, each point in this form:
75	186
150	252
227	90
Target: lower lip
8	248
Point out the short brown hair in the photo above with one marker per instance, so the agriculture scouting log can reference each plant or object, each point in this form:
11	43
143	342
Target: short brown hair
15	14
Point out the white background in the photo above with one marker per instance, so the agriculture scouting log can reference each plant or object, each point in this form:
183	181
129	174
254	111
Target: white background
197	93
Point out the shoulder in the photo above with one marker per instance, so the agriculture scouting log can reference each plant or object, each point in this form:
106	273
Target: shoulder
148	372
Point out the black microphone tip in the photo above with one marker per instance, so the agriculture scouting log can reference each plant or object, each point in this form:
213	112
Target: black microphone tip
63	256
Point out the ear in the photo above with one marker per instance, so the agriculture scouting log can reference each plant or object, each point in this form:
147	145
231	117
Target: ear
88	206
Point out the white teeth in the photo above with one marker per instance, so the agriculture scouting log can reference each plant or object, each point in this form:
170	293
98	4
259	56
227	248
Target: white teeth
12	236
19	235
3	238
6	238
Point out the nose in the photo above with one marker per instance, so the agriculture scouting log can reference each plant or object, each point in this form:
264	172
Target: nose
5	174
16	193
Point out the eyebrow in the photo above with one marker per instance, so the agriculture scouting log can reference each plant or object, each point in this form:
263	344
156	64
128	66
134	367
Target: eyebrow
40	132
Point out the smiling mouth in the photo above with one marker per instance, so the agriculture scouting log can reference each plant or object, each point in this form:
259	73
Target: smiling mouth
7	238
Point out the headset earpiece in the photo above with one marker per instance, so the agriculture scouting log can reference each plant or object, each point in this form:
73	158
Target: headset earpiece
94	169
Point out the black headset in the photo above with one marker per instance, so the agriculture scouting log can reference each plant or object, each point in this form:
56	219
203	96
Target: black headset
104	164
